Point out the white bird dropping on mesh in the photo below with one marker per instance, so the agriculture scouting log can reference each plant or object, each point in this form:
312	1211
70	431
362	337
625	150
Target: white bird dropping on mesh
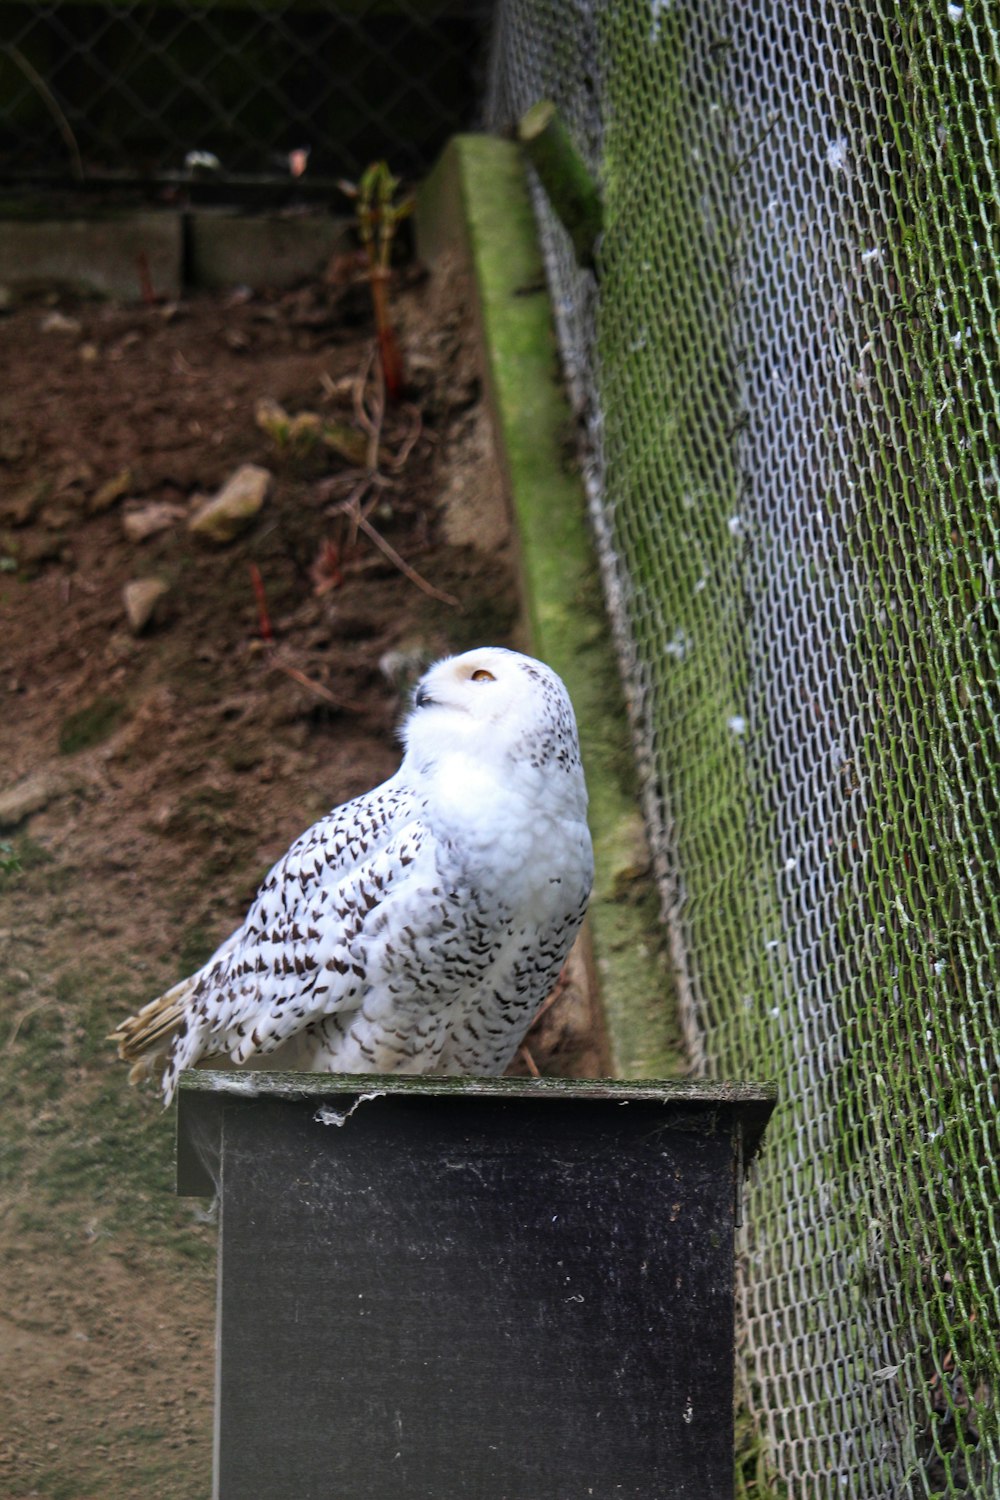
418	928
836	155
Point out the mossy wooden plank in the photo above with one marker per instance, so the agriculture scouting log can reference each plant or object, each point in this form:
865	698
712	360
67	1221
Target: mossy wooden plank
253	1084
568	183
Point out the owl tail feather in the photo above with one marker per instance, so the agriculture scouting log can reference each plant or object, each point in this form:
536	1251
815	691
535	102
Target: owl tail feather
144	1037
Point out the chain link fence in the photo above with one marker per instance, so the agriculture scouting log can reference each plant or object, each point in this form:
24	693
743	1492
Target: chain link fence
124	91
788	367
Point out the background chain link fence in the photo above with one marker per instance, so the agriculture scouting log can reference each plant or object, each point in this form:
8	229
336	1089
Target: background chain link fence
123	91
788	368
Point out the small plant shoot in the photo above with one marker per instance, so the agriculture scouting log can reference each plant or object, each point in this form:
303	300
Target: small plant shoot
380	211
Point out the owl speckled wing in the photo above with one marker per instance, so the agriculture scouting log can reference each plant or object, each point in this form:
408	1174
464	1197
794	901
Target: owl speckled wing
271	957
383	952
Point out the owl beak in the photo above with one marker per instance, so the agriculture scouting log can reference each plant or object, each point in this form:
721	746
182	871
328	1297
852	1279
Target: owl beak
422	698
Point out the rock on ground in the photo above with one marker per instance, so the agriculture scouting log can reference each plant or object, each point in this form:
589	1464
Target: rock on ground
233	508
142	597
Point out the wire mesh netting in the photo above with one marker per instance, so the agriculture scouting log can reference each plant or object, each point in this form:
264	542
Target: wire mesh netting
128	88
788	367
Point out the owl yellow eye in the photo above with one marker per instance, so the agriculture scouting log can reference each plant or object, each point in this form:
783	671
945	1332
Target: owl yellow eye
481	675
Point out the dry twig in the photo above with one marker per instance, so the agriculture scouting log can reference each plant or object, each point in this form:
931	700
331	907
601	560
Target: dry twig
369	413
275	659
412	438
524	1053
24	1016
312	686
52	105
403	566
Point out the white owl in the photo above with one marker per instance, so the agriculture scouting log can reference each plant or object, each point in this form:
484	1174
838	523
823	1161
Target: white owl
418	928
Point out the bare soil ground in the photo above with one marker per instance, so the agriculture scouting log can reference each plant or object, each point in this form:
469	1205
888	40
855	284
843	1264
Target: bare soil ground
155	774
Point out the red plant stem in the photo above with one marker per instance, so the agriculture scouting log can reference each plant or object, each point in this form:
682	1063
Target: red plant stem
392	363
145	279
388	346
263	617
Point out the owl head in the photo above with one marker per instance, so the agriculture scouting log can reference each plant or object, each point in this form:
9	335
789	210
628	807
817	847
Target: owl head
497	705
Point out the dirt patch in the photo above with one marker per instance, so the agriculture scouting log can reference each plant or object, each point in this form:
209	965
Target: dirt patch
150	774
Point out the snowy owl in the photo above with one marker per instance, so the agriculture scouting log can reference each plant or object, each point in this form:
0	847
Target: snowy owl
417	928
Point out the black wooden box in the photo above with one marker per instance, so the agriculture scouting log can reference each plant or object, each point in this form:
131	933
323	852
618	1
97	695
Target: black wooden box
495	1290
